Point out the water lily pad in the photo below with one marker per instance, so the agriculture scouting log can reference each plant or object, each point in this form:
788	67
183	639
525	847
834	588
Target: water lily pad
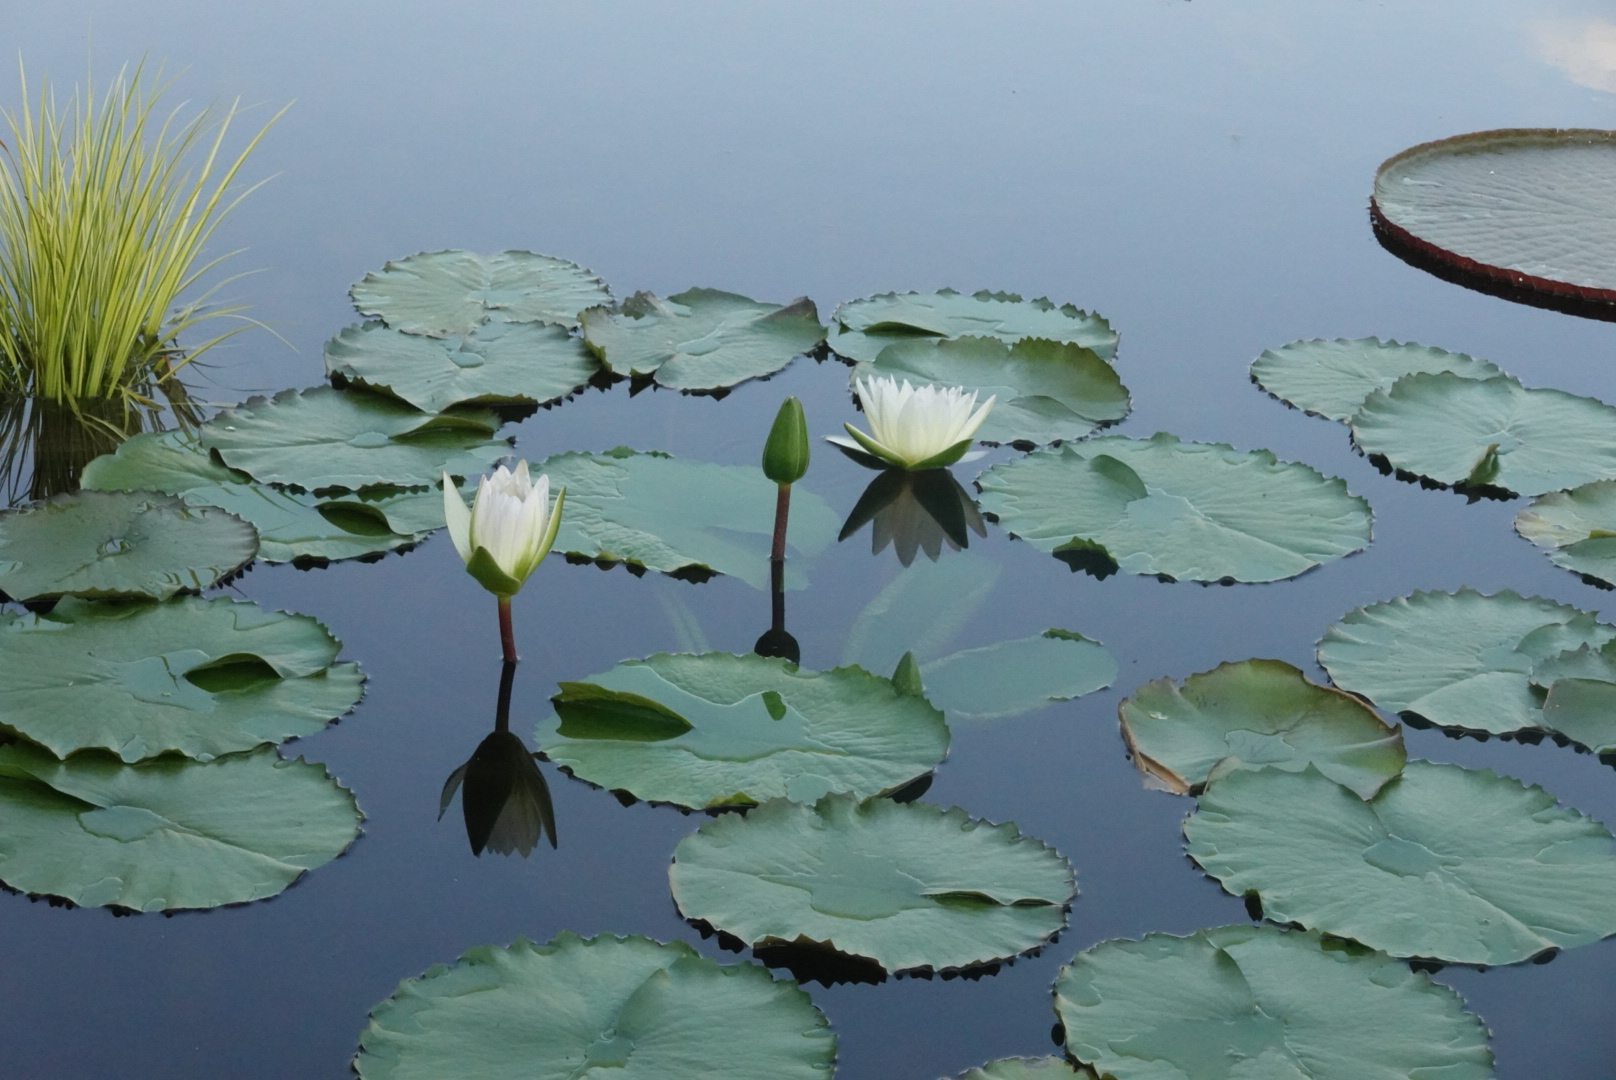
1332	378
1015	677
701	339
909	885
168	833
325	439
1256	1001
1488	433
191	676
1524	207
1584	711
1256	714
451	293
1445	863
1182	511
1577	529
862	328
498	363
657	512
1046	390
627	1007
1458	660
719	729
1021	1068
119	544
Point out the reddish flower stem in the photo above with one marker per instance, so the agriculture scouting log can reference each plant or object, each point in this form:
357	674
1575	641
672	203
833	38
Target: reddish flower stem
507	635
782	510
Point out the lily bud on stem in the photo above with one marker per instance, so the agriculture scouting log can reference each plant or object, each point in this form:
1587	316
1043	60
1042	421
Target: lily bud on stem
785	460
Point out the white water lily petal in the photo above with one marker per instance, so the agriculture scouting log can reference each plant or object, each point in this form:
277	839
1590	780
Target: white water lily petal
510	519
912	424
458	515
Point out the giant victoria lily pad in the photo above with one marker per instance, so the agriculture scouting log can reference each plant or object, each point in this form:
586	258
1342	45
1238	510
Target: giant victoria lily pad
1332	378
1576	528
196	677
862	328
1249	1002
909	885
119	544
1444	863
719	729
451	293
625	1007
169	833
1014	677
1183	511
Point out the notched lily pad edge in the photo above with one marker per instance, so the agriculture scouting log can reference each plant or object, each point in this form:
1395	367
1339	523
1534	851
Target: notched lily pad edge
1473	492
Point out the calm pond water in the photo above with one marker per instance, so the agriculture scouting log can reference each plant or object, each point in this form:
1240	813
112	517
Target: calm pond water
1198	172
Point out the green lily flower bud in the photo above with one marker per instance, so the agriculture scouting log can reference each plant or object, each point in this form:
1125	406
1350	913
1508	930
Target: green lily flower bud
785	455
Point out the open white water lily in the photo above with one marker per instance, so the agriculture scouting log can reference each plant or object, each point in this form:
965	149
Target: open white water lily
508	529
925	427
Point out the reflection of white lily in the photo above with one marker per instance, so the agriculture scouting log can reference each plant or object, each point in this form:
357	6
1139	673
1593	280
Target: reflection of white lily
924	427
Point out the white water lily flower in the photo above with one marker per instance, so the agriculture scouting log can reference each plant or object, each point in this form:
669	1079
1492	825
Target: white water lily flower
508	529
914	428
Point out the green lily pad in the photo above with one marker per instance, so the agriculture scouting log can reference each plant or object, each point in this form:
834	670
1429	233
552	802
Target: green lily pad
626	1007
1459	660
1046	391
1576	528
920	611
451	293
192	676
701	339
908	885
119	544
1021	1068
1488	433
1445	863
498	363
326	439
1016	677
169	833
299	528
862	328
1584	711
653	511
1332	378
1256	1001
719	730
1256	714
1181	511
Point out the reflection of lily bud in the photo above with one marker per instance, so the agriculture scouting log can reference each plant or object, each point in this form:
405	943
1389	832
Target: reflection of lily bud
506	800
916	511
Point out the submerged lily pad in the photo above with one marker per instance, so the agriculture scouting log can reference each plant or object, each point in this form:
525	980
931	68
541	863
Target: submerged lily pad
326	439
498	363
920	611
1256	714
909	885
119	544
1458	660
196	677
1488	433
1182	511
604	1005
169	833
719	729
701	339
451	293
1046	390
862	328
1256	1001
1577	529
1332	378
1445	863
1021	1068
1015	677
657	512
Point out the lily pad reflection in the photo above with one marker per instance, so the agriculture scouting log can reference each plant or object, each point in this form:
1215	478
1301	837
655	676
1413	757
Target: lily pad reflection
1015	677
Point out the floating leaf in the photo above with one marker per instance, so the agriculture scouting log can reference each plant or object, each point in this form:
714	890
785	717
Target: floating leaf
1021	1068
1577	528
630	1007
451	293
719	730
499	363
656	512
1256	714
168	833
1492	433
1584	711
1458	660
1015	677
920	611
1255	1001
701	339
1182	511
119	544
1332	378
326	439
1445	863
908	885
862	328
1046	390
192	676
